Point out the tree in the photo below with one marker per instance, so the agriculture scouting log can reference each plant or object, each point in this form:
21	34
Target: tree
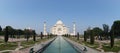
116	28
92	37
6	37
19	32
97	32
34	35
0	28
106	30
51	35
85	36
11	31
48	35
78	35
41	35
8	31
115	31
88	33
111	39
27	34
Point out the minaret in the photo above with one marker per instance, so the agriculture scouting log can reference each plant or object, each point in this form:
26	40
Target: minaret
74	28
68	31
45	33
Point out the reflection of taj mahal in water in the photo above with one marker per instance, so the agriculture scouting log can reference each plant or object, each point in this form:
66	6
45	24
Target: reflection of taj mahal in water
60	29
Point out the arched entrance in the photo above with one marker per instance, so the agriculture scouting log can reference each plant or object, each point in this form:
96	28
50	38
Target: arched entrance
59	31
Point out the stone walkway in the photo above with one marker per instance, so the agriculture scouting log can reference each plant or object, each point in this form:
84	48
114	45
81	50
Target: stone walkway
5	51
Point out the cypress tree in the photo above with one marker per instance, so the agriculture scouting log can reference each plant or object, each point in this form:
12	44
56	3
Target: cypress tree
78	35
41	35
112	40
0	28
85	36
6	35
91	36
34	35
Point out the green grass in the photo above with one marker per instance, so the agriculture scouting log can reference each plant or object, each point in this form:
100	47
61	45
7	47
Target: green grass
117	43
107	48
95	45
14	45
116	48
1	41
6	52
26	44
8	46
30	43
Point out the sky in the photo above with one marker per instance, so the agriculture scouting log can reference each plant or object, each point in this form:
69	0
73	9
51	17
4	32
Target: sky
21	14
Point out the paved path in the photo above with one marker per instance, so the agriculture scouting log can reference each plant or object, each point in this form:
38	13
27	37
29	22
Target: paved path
5	51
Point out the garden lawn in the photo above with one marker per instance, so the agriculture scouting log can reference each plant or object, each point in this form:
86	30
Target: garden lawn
8	46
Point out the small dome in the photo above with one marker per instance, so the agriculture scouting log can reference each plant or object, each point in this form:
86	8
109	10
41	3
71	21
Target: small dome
59	22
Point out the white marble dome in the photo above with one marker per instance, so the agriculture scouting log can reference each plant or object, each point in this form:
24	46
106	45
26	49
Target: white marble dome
59	28
59	22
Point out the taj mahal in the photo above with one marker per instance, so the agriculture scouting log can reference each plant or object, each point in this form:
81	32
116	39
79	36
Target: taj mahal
60	29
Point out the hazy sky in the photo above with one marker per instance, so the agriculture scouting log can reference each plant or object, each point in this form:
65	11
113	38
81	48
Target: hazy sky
32	13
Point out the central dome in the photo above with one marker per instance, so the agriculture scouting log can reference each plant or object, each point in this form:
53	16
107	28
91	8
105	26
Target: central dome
59	22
